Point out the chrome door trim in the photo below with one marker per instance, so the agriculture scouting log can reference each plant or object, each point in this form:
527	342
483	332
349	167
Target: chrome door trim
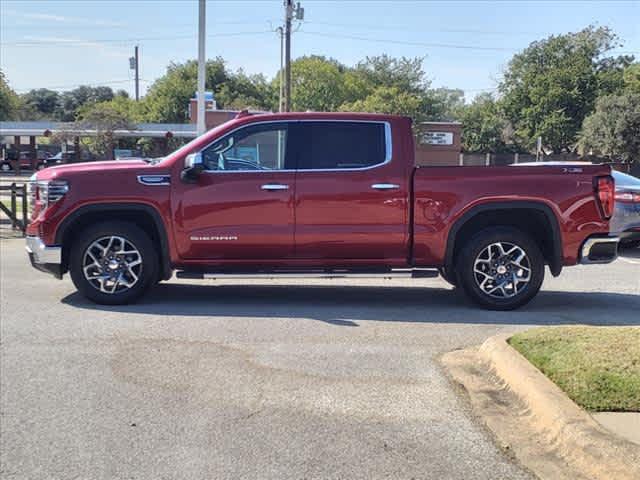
154	179
274	186
385	186
387	135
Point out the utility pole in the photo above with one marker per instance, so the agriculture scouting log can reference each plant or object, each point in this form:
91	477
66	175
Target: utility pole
137	73
280	99
201	124
134	64
290	12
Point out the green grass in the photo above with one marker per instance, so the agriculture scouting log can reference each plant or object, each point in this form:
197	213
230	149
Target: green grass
598	367
7	203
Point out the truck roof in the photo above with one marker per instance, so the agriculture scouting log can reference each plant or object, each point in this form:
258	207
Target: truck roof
324	116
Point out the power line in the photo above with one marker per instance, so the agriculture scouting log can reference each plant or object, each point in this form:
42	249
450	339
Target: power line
72	42
427	44
430	29
92	84
402	42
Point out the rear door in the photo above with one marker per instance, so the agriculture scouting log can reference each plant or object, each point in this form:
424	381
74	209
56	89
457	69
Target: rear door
351	193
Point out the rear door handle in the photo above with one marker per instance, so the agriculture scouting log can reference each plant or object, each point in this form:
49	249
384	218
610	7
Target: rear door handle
384	186
274	186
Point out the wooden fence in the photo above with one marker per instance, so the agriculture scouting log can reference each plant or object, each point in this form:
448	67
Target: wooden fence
17	214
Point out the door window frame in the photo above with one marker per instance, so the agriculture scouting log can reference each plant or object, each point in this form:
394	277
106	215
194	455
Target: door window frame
387	143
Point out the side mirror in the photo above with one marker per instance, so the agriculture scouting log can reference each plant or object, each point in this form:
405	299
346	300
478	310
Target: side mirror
193	167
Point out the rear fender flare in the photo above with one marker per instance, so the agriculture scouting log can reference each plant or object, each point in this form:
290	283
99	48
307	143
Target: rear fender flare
556	260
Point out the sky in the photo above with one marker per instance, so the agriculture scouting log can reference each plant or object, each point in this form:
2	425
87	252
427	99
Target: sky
464	44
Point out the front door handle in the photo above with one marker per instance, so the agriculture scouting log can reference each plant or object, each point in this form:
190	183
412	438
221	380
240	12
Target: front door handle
274	186
384	186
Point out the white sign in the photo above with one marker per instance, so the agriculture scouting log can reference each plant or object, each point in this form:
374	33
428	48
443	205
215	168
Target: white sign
437	138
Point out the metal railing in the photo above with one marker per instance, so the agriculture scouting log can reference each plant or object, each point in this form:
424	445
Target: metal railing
13	211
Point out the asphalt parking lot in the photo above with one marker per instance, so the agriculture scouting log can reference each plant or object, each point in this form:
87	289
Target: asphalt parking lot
261	380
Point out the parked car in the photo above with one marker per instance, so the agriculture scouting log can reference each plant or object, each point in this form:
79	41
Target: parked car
25	162
626	218
336	195
22	162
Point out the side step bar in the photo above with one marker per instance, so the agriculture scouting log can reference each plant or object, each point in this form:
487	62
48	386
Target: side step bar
387	274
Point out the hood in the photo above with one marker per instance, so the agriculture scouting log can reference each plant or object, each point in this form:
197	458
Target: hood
74	168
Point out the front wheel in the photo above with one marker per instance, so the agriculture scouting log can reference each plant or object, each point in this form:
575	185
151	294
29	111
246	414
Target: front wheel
5	167
113	263
500	268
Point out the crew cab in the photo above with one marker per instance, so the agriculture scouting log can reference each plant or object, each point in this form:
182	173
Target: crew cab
322	195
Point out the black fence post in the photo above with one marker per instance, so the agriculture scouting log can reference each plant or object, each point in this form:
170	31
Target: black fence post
14	224
24	209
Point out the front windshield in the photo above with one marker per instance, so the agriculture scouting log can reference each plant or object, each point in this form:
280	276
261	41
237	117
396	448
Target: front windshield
188	147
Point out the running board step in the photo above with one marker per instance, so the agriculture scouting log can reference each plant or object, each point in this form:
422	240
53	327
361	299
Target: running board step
388	274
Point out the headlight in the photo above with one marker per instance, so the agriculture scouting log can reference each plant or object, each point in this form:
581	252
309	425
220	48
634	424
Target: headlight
45	193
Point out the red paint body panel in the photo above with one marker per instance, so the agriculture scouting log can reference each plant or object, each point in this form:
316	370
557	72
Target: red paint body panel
259	223
325	219
443	195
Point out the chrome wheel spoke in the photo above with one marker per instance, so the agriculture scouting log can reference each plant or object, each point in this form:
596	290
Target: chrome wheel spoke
112	264
502	270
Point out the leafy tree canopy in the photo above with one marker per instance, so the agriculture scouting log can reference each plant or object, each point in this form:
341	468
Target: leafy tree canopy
9	100
483	126
550	87
613	129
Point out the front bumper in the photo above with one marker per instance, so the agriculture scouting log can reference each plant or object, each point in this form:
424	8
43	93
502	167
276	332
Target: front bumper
599	249
44	258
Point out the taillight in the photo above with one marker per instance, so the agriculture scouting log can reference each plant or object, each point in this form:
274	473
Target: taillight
605	191
628	197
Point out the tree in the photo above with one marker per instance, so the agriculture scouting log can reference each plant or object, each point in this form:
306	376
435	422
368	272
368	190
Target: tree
404	73
613	129
240	91
550	87
105	119
43	101
483	126
385	84
168	98
9	100
444	103
631	78
390	100
317	84
72	101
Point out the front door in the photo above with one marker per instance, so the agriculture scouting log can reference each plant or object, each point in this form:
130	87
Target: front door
242	206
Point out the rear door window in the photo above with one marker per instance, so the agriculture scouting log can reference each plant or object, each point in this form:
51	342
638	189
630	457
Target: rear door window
340	145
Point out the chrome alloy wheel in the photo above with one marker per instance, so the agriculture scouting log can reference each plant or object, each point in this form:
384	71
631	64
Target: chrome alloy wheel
112	264
502	270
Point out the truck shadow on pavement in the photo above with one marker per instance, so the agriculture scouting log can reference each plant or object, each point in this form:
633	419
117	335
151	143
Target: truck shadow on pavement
345	306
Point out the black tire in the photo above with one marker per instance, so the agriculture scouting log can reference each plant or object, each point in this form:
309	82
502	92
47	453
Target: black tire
450	277
467	278
147	275
5	167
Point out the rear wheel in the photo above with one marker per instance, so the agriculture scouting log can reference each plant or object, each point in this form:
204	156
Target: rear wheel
113	263
500	268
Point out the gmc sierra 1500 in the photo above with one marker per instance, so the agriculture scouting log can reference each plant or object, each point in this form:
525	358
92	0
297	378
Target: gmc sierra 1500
316	194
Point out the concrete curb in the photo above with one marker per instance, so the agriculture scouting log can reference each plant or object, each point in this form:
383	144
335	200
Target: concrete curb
572	431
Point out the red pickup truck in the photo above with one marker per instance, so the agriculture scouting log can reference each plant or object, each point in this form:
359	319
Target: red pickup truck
321	195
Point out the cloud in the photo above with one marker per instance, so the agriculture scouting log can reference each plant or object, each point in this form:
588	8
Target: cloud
64	19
